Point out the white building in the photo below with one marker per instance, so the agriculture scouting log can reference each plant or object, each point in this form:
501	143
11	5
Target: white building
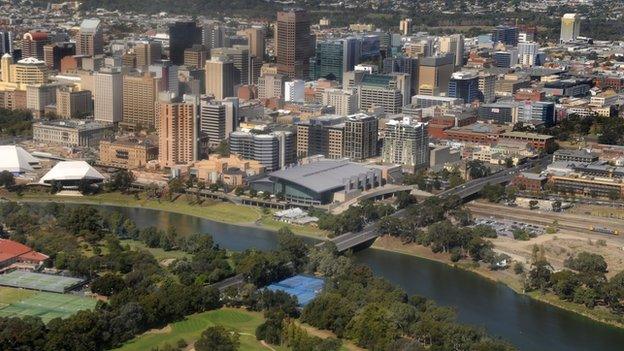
108	95
527	53
71	173
17	160
570	27
294	91
406	143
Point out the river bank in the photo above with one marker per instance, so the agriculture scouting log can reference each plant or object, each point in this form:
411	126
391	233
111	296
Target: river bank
247	216
506	277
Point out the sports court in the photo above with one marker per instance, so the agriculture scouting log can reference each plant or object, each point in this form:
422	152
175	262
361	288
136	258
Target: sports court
304	288
39	281
47	306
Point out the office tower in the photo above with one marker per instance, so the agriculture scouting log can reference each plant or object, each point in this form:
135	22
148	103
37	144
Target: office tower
73	103
570	27
294	91
213	36
255	39
220	77
192	81
39	96
527	53
5	66
487	86
89	40
453	44
28	71
344	102
421	48
537	111
287	147
218	119
507	35
464	85
196	56
255	69
32	44
505	59
271	86
273	150
323	135
182	35
406	142
407	65
405	26
239	55
108	95
385	91
360	137
179	137
334	57
6	42
147	53
140	92
168	74
54	53
434	74
294	43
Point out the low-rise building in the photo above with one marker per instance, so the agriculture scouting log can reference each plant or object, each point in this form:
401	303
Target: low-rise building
539	141
72	132
583	156
231	170
127	153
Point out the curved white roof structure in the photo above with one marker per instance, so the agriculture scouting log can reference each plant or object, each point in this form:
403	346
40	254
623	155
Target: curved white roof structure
71	170
16	160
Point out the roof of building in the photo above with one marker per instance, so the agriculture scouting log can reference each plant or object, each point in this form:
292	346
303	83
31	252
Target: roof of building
576	153
527	135
30	61
10	249
321	176
16	160
89	25
79	124
71	170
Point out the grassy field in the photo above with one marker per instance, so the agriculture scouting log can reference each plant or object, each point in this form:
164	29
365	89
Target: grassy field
47	306
158	253
244	322
218	211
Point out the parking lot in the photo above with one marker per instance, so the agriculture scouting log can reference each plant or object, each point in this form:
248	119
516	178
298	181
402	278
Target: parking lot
506	227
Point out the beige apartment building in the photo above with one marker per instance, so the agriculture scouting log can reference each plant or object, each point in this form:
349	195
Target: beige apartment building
219	77
73	103
140	93
178	132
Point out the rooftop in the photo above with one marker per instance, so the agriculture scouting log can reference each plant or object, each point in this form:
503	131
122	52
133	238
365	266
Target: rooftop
16	160
79	124
71	170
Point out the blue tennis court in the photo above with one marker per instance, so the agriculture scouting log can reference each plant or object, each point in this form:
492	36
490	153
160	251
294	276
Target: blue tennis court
303	287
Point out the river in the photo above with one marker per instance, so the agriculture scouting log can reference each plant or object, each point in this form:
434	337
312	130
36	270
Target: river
528	324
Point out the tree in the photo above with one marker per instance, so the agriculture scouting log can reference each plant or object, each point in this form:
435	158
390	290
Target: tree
293	246
7	179
108	284
217	338
556	206
477	169
121	181
223	149
533	204
539	276
614	195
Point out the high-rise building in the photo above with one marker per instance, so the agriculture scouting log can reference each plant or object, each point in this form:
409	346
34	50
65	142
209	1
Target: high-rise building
168	75
294	43
147	53
179	137
220	77
213	35
390	92
140	92
271	86
33	43
294	91
507	35
6	42
434	74
403	64
344	102
39	96
334	57
73	103
527	53
405	26
570	27
239	55
360	137
464	85
255	69
218	119
421	48
323	135
453	44
5	66
406	142
273	150
255	38
505	59
540	111
54	53
196	56
182	35
108	95
487	86
89	40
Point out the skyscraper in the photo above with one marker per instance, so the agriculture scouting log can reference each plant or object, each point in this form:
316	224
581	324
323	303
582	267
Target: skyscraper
218	119
32	44
406	142
108	95
239	55
53	53
6	43
89	40
220	75
139	100
213	35
178	133
434	74
527	53
360	138
295	44
453	44
405	26
196	56
148	53
570	27
507	35
255	38
182	35
464	85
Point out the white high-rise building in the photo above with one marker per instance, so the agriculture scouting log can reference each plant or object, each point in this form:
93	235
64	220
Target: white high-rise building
527	52
294	91
570	27
108	95
406	142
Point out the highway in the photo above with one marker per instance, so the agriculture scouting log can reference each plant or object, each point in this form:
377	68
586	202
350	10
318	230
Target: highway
369	233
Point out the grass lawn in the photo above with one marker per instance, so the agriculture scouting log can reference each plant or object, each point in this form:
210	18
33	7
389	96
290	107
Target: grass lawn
244	322
158	253
47	306
11	295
